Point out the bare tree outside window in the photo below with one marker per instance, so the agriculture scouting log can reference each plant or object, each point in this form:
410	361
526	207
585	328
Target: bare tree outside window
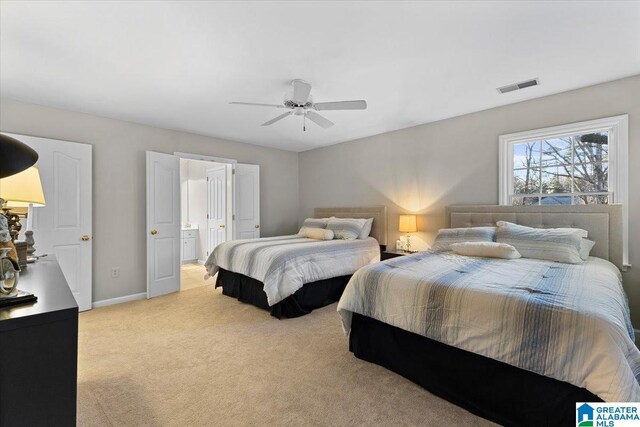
564	170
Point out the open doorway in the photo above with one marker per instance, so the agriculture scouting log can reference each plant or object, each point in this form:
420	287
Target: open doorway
177	231
206	215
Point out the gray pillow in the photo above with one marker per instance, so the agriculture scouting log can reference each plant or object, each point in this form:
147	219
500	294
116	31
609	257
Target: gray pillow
346	228
551	244
366	230
448	236
585	248
313	223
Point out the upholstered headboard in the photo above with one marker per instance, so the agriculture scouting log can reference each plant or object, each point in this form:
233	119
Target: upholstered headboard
603	222
378	213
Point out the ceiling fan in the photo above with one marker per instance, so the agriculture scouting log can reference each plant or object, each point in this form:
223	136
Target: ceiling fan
300	103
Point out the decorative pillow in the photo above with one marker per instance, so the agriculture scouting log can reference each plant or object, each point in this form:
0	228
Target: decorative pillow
448	236
585	248
486	250
320	223
552	244
317	233
366	230
346	228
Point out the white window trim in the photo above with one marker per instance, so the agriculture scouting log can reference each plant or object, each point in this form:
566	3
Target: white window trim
618	128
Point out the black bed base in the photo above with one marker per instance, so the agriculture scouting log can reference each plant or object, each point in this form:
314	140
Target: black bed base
493	390
306	299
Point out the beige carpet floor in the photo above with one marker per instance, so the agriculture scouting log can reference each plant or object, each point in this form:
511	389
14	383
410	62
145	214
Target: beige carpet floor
192	276
198	358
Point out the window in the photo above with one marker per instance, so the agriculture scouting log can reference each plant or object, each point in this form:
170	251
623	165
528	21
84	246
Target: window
565	170
579	163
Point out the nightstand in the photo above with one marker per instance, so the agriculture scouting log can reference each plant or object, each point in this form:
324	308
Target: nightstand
388	254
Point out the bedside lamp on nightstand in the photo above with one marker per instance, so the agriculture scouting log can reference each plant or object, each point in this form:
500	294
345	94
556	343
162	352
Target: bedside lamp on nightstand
408	224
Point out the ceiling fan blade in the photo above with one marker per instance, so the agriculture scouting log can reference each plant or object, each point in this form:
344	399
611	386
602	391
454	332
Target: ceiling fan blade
341	105
301	90
319	120
280	117
257	104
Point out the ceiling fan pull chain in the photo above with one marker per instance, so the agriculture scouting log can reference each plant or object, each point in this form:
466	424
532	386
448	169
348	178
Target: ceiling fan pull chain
304	123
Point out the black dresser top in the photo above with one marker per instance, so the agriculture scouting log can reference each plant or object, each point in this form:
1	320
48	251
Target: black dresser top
55	300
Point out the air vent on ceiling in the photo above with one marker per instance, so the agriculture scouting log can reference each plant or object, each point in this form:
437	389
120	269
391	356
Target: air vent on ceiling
518	86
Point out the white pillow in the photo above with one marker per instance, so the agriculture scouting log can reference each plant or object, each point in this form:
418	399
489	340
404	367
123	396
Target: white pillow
346	228
585	248
552	244
317	233
486	250
579	231
448	236
366	230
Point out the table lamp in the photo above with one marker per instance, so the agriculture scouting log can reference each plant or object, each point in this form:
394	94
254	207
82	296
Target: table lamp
15	156
21	190
408	225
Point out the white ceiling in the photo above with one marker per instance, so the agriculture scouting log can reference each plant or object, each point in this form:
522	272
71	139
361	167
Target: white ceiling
177	65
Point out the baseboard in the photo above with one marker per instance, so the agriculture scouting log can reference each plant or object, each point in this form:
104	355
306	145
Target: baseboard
201	261
118	300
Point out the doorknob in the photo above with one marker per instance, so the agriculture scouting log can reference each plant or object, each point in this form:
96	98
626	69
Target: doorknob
154	232
85	238
221	225
257	225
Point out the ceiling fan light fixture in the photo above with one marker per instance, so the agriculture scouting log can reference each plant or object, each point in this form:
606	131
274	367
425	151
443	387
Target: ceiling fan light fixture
299	102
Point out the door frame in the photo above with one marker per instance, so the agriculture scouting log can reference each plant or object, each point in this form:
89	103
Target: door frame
224	160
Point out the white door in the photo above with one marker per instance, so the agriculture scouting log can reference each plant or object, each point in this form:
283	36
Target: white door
247	196
163	224
216	207
63	227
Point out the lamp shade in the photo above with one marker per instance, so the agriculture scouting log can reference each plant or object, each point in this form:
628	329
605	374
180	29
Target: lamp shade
408	224
22	189
15	156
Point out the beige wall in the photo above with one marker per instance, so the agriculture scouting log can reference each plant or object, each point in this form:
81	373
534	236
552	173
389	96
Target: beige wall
119	182
425	168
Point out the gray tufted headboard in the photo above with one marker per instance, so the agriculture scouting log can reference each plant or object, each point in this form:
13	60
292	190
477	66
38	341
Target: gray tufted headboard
603	222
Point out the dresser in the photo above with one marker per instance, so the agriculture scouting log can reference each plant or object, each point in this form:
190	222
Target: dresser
39	352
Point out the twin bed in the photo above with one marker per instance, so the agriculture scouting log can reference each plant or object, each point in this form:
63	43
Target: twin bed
292	275
516	341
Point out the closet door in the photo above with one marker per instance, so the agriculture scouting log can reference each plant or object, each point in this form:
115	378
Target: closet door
216	207
247	196
63	227
163	224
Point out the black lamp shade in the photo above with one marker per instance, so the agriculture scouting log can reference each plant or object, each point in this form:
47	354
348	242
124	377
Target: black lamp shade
15	156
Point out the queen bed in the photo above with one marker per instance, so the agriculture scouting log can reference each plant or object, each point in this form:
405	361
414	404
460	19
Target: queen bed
292	275
517	341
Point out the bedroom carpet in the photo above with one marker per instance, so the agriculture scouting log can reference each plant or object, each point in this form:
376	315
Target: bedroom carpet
192	276
198	358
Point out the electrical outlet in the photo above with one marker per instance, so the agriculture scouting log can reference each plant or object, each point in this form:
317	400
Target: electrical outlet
115	272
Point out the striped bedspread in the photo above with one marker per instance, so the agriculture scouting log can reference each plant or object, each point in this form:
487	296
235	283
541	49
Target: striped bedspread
564	321
285	263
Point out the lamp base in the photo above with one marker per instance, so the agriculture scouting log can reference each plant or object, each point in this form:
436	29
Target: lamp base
21	248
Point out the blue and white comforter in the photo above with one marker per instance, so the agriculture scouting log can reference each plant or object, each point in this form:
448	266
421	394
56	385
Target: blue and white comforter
568	322
285	263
